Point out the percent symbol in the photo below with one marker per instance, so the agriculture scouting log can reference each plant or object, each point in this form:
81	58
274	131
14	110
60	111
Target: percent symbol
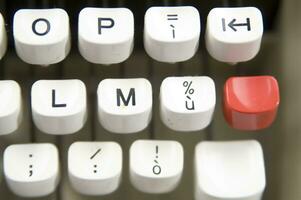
188	87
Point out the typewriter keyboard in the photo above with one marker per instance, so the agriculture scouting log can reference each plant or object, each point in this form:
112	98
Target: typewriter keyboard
149	100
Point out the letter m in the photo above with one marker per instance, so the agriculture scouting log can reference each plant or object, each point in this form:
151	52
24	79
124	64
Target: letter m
131	96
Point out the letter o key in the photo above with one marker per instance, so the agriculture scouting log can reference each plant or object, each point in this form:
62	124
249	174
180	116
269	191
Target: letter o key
40	21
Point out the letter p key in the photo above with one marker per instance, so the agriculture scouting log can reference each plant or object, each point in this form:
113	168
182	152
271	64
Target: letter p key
105	35
105	23
124	105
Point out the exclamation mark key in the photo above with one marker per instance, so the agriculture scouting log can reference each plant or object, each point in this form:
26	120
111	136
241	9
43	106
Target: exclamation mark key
156	166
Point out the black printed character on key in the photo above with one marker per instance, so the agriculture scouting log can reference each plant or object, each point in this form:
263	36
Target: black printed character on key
105	23
54	103
92	157
157	167
40	23
30	166
189	103
172	17
131	96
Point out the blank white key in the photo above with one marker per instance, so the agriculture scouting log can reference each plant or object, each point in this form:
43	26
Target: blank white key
171	34
156	166
187	103
105	35
31	170
59	106
234	34
42	36
10	107
95	168
229	170
3	37
124	105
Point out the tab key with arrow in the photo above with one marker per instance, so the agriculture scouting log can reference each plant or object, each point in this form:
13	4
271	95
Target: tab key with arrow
232	24
234	35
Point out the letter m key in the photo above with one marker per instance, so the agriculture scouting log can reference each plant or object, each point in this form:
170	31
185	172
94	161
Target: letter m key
131	97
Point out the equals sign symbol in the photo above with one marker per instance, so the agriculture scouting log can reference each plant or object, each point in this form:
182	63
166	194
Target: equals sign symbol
172	16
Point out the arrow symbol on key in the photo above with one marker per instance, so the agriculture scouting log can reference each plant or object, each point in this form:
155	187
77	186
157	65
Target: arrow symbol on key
232	24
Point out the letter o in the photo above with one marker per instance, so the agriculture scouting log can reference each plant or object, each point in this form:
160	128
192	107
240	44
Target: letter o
41	20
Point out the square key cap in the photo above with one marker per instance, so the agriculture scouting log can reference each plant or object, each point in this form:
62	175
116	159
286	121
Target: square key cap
31	170
105	35
187	103
3	37
11	111
234	34
95	168
251	103
171	34
42	36
124	105
59	106
229	170
156	166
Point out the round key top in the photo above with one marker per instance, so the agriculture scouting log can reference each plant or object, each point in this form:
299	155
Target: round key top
251	103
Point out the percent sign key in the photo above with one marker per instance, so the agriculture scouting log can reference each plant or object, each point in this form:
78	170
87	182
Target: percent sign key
190	106
187	85
189	102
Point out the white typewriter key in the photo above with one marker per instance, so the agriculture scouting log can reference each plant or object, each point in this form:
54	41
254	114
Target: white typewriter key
171	34
95	167
59	106
10	107
31	170
3	37
234	34
187	103
156	166
105	35
42	36
229	170
124	105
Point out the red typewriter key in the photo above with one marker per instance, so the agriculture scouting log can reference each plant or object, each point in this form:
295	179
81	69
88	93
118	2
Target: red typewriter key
251	103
